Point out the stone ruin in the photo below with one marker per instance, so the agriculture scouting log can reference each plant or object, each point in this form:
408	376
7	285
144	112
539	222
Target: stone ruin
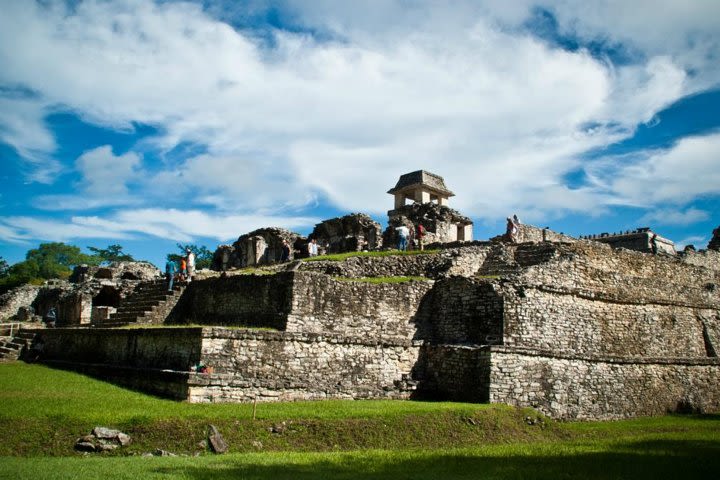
90	296
715	240
639	240
429	197
442	224
351	233
573	327
259	247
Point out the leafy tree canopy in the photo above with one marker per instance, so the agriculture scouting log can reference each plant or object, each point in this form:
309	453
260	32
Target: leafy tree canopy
49	260
56	259
113	253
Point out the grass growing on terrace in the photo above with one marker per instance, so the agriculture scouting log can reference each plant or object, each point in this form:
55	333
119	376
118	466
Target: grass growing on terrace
339	257
378	280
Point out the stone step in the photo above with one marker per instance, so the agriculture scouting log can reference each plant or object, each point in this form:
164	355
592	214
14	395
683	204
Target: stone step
5	352
25	335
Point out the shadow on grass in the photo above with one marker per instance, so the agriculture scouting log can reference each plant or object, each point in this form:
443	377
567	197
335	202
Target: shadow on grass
639	460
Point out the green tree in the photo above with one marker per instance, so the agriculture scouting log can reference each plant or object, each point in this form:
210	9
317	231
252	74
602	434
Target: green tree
49	260
203	256
56	259
113	253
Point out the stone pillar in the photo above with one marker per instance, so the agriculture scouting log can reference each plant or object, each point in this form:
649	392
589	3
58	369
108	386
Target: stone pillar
422	196
442	200
399	200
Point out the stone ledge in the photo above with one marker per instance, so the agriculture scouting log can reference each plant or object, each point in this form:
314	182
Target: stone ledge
588	358
278	336
601	297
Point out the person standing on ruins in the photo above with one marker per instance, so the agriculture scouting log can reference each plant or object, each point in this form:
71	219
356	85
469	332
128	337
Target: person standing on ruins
420	236
512	230
183	269
313	248
403	233
190	264
653	244
170	270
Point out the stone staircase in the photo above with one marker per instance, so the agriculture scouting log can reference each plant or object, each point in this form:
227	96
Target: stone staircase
11	348
150	303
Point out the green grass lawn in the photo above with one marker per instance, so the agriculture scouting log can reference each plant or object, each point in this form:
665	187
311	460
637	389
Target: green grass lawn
43	411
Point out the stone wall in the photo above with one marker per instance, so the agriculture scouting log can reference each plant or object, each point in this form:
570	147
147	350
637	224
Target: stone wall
572	325
156	361
462	311
602	388
350	233
709	259
464	261
281	366
453	372
638	240
17	298
239	300
355	308
152	348
593	270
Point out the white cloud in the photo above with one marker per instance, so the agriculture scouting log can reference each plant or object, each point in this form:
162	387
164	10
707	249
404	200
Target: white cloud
461	91
105	173
674	217
696	240
689	169
179	225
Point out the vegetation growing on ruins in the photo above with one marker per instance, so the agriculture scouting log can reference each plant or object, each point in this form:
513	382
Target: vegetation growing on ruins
338	257
400	279
45	411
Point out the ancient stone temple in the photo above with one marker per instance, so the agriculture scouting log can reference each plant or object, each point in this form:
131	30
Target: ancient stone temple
576	328
429	197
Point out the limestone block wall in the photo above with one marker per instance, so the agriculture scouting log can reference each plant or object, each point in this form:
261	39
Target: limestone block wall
454	261
453	372
12	301
602	388
168	348
594	270
240	300
709	259
354	308
569	324
279	366
463	311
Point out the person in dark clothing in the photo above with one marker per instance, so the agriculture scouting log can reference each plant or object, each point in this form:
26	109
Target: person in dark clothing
285	255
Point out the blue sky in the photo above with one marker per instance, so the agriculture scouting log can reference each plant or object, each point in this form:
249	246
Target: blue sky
148	123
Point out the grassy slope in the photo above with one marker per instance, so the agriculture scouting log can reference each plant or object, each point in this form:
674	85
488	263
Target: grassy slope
44	411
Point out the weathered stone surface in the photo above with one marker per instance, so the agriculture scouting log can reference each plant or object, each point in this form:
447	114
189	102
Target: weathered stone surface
216	440
442	223
116	271
16	299
259	247
102	439
350	233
